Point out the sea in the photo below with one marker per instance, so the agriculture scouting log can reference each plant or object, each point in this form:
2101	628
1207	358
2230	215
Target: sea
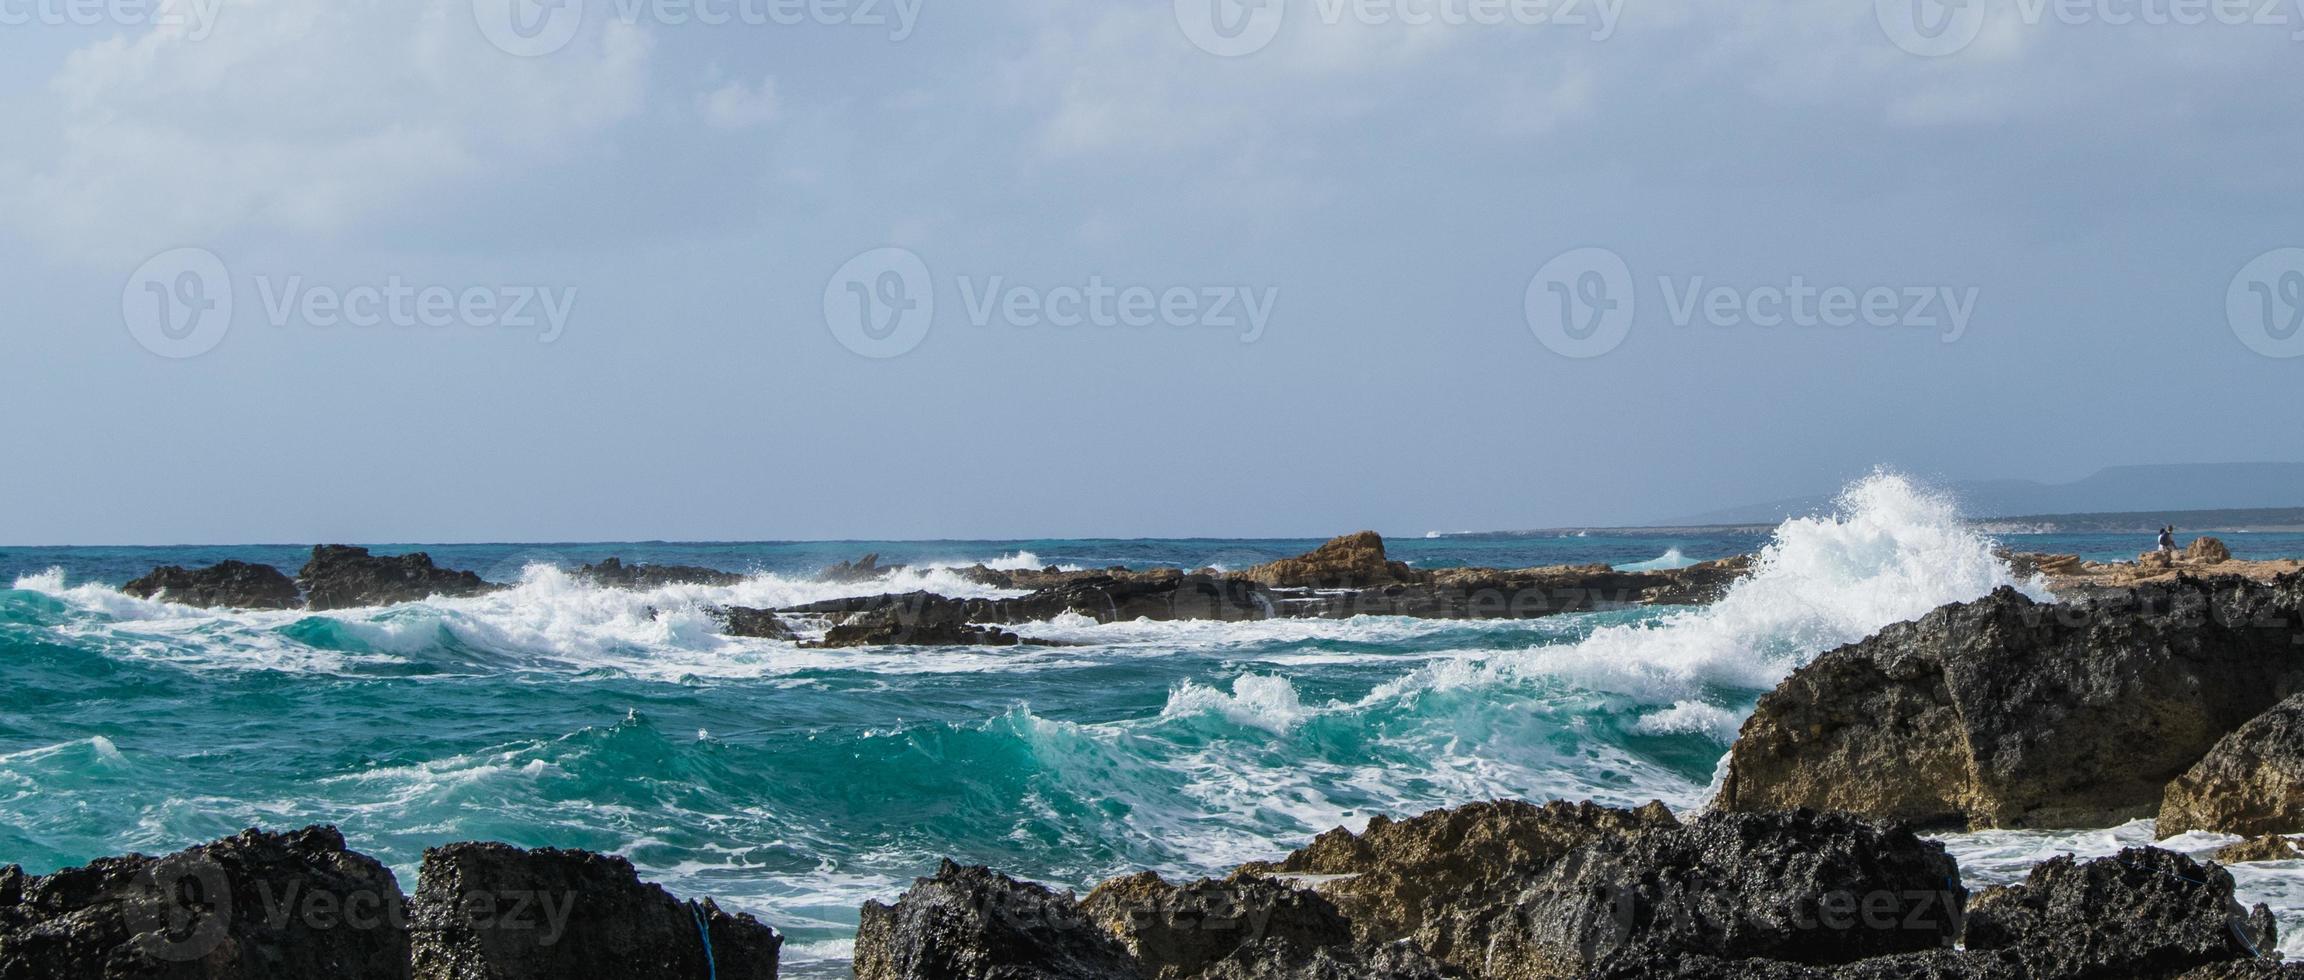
797	784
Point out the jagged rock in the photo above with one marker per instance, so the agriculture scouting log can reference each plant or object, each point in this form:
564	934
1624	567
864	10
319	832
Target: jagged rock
865	569
496	912
912	619
2155	560
974	924
755	623
2251	783
1354	561
1273	960
343	577
2145	912
2207	551
1176	932
1800	887
2006	712
1650	964
1445	878
233	584
2259	969
612	573
2270	847
256	905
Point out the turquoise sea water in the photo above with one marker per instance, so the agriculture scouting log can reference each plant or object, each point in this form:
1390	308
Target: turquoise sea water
798	783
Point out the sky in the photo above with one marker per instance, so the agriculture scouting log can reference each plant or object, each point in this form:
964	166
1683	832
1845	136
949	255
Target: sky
557	270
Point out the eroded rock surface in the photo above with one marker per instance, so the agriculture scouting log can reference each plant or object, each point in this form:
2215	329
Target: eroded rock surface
612	573
2144	912
344	577
496	912
2251	783
256	905
975	924
227	584
2006	712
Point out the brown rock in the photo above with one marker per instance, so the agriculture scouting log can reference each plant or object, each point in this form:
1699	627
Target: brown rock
2270	847
2251	783
2207	551
1354	561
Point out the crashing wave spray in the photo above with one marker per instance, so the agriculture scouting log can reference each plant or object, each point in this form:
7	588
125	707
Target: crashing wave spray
1891	551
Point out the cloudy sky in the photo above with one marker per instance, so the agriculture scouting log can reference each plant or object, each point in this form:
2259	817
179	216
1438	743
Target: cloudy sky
435	270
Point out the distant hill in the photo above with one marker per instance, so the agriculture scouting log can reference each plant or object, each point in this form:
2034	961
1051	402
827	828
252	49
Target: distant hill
2114	492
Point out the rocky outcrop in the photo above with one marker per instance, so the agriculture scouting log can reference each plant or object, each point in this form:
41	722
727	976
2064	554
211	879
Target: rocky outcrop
2145	912
2006	712
496	912
1176	932
2270	847
865	569
759	624
2207	551
343	577
612	573
911	619
1446	878
1799	887
230	584
257	905
1354	561
974	924
2251	783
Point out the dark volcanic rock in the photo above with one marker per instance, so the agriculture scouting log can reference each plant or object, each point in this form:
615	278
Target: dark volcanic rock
234	584
910	619
343	577
257	905
496	912
1275	960
2005	712
1447	878
756	623
612	573
1801	887
974	924
865	569
2251	783
1180	931
2146	912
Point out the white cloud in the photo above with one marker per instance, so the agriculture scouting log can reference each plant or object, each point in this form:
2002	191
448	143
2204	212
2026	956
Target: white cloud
306	116
740	106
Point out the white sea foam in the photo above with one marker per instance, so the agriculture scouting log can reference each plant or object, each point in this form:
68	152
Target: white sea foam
1671	559
1892	552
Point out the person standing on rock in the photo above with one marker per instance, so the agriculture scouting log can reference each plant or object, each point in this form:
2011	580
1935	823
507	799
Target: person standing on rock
2168	540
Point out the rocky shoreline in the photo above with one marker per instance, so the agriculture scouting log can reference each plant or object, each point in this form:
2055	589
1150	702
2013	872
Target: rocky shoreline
2143	693
1346	577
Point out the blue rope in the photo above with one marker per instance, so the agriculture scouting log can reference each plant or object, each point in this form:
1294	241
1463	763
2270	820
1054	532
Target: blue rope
711	969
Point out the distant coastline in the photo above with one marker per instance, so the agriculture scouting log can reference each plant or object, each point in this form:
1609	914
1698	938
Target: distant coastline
2246	520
